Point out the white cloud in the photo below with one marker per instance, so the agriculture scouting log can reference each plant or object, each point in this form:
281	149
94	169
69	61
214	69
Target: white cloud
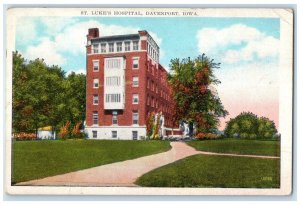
248	42
56	24
47	50
256	81
66	37
25	30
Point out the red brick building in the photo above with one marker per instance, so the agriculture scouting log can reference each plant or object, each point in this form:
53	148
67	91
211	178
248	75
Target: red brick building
124	83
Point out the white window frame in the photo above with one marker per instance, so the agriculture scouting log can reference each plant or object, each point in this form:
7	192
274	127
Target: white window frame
94	134
119	50
95	99
138	62
137	135
114	118
109	47
114	134
134	98
135	117
95	117
96	83
95	48
135	43
101	46
96	61
113	98
135	81
125	45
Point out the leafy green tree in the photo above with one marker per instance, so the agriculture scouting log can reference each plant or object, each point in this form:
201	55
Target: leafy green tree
196	101
248	126
43	95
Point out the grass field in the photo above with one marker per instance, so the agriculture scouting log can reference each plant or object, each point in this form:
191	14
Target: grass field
238	146
38	159
215	171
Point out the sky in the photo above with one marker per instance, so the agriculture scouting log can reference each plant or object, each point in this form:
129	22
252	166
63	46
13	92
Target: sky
247	48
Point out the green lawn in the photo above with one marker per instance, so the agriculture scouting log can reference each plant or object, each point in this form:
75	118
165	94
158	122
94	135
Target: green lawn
38	159
215	171
238	146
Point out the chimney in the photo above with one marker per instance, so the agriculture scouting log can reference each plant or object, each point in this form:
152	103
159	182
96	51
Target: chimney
143	33
93	33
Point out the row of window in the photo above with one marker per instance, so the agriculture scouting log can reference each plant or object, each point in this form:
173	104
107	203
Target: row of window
115	81
154	87
152	52
151	101
157	74
135	118
115	98
114	64
114	134
116	47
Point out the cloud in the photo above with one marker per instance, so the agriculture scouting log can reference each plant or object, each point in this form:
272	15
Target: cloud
237	43
69	37
53	25
25	30
47	50
253	87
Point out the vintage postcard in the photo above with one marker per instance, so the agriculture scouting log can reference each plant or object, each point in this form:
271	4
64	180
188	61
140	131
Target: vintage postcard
149	101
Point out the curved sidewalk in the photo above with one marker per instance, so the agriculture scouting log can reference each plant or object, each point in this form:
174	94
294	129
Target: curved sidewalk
122	173
126	172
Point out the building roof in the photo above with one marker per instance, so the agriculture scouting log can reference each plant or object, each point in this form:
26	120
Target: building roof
117	37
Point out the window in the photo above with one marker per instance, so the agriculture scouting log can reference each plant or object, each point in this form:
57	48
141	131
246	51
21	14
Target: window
134	135
135	63
112	63
135	99
114	134
112	98
95	118
113	81
152	85
119	46
152	102
96	65
135	45
94	134
148	83
103	47
135	117
96	48
114	117
96	83
95	99
135	82
148	100
111	47
127	46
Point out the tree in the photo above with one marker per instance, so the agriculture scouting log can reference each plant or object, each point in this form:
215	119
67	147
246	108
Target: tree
196	102
248	126
43	95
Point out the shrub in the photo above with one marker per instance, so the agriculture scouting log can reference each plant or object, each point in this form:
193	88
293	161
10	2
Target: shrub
24	136
149	123
76	133
64	130
248	126
200	136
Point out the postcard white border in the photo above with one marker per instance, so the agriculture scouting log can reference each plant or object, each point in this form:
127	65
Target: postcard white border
285	105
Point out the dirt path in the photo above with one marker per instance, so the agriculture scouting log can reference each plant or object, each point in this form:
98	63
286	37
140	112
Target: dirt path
125	173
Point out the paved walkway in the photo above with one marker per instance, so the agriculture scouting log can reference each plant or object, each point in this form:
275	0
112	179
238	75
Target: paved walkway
125	173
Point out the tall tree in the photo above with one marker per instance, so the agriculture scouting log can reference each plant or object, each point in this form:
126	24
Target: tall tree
195	99
43	95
